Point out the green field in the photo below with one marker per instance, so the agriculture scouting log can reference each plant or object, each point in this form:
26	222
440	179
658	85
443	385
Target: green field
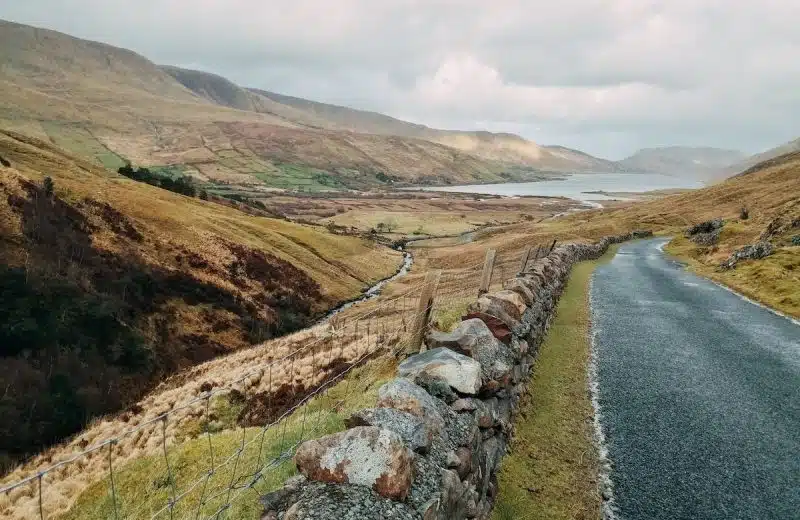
82	142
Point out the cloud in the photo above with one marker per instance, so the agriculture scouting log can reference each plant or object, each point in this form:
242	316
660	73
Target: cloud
606	76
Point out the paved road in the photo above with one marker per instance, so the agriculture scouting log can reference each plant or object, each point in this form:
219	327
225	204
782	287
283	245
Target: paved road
699	392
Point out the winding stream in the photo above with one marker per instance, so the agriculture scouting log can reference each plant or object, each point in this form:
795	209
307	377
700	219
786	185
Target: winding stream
375	290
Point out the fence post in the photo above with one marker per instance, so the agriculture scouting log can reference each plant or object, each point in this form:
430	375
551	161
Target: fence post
488	267
424	308
526	255
552	247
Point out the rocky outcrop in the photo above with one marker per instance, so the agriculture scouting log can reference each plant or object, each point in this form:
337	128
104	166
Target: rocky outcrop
709	226
431	447
751	252
707	239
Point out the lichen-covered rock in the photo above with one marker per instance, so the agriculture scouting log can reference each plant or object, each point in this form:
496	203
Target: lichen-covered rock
412	429
511	302
751	252
473	338
402	394
437	387
492	451
459	371
523	289
447	504
463	405
706	239
493	307
319	501
365	455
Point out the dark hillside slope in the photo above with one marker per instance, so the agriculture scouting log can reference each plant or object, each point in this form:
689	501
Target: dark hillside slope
109	285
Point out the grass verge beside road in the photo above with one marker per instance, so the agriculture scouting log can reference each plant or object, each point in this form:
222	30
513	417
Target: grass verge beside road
551	472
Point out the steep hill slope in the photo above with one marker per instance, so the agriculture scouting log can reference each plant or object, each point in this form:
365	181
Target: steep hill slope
108	285
754	160
695	162
111	105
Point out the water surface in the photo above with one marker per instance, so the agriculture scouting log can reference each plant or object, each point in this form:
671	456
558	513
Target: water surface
575	186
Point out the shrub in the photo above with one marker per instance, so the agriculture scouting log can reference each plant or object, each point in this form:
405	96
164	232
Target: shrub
48	186
744	213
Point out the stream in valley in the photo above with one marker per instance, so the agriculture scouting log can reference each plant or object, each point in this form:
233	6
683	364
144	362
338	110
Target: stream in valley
375	290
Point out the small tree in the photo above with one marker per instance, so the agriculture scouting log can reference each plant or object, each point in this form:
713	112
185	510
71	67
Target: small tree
203	195
48	186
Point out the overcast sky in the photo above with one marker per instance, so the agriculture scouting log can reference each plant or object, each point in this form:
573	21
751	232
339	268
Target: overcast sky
604	76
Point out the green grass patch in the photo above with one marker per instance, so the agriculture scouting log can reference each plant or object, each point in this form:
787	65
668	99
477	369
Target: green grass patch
447	319
81	142
170	171
552	470
144	487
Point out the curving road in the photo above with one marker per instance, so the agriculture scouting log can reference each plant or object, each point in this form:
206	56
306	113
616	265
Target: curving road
699	393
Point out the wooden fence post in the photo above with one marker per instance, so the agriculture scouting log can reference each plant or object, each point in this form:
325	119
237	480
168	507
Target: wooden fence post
424	309
552	247
526	255
488	267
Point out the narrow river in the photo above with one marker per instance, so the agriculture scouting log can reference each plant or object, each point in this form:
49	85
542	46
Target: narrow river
699	394
375	290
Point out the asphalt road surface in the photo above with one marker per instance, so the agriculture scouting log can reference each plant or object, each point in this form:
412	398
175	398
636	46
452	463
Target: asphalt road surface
699	393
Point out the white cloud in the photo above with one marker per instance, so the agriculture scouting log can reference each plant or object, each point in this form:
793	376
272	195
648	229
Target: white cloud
604	75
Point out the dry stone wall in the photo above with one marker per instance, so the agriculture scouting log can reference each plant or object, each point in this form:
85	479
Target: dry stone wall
432	445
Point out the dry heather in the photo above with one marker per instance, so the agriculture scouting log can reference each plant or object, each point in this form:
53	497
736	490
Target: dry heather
114	285
342	266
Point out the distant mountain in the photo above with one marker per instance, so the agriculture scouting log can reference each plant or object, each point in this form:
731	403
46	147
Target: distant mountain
684	161
588	162
753	160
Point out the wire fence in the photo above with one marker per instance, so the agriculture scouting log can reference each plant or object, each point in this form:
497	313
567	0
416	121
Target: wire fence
208	450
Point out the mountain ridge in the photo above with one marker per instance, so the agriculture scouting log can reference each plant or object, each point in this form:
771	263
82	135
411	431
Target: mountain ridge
115	105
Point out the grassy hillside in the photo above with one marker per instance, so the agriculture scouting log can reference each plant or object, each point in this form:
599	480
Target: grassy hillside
754	160
110	105
497	147
109	285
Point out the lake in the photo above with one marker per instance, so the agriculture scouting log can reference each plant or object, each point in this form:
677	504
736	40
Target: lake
576	186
